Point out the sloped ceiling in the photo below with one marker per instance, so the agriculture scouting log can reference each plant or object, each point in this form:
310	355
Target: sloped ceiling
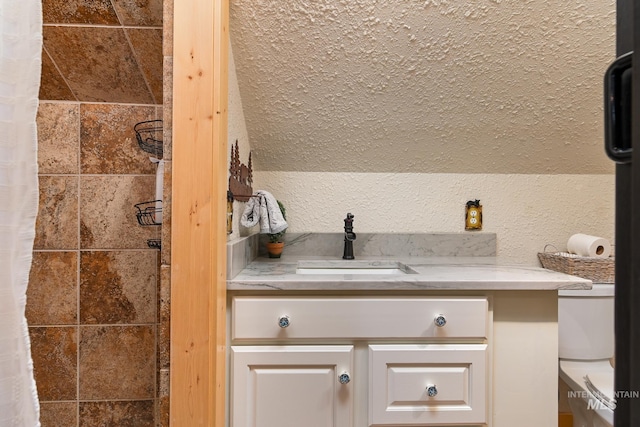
473	86
102	51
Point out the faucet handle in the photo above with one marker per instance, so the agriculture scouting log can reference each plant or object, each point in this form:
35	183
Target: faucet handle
348	221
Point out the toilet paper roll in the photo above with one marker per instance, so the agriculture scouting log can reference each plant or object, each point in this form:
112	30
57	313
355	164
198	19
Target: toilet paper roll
589	246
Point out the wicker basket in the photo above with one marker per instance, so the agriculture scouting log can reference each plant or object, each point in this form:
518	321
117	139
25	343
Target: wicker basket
598	270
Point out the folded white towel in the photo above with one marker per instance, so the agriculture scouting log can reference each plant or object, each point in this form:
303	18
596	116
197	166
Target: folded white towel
264	209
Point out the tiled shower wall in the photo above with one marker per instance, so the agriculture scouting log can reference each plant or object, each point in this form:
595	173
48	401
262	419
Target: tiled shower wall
93	294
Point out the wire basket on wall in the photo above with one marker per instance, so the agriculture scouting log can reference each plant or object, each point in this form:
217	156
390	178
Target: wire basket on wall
147	212
149	136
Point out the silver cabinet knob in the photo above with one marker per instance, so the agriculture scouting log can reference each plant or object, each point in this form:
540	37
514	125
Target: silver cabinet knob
440	320
432	390
344	378
284	321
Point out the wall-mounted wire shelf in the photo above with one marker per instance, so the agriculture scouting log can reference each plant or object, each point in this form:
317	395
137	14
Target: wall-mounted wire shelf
154	243
147	212
149	136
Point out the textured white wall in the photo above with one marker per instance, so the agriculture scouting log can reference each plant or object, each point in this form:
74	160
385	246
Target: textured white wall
236	130
526	211
236	124
464	86
524	137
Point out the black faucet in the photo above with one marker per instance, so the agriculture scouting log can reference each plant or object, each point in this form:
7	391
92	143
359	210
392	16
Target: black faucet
349	237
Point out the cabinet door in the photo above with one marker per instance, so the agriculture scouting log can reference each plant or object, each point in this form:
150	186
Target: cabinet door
291	386
427	384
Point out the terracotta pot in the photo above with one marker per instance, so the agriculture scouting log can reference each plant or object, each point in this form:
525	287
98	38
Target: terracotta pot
275	249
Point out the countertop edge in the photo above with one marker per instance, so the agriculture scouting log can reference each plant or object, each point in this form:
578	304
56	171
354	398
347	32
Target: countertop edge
341	287
433	274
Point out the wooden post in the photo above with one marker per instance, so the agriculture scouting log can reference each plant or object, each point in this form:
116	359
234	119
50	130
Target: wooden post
198	238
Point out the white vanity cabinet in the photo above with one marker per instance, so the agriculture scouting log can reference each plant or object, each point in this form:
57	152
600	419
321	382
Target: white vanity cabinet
359	361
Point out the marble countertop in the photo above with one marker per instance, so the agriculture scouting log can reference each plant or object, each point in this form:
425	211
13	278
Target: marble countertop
420	273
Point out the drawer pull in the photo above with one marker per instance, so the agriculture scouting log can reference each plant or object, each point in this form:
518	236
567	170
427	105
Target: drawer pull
344	378
440	320
284	321
432	390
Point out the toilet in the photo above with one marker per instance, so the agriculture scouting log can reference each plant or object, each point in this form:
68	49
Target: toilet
585	348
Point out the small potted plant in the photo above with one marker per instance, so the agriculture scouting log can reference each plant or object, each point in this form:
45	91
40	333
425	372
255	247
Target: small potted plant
275	244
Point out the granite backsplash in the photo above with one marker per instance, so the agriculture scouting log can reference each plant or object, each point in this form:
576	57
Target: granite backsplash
241	252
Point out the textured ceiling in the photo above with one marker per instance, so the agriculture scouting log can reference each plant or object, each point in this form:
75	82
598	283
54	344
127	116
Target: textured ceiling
499	86
102	51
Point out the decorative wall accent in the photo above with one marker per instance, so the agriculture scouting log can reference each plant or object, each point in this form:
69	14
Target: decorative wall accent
241	176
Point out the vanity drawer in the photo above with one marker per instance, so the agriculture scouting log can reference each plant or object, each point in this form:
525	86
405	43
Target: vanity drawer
427	384
255	318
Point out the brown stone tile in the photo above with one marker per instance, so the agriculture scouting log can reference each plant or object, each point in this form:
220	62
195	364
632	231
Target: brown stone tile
118	287
117	414
167	13
167	111
54	352
107	213
164	321
147	45
163	416
52	85
97	12
58	138
57	222
140	13
108	141
117	362
52	295
165	252
97	63
59	414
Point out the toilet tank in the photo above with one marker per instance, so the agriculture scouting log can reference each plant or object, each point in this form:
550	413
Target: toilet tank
585	323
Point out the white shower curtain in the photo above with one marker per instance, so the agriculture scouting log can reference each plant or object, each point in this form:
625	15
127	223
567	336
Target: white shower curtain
20	61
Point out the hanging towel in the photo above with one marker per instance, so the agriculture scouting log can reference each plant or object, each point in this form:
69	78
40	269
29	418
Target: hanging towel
264	209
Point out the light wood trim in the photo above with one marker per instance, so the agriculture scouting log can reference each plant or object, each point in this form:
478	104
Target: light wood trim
220	179
198	237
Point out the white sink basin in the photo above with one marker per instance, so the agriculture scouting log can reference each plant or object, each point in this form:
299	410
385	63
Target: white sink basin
351	267
349	271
